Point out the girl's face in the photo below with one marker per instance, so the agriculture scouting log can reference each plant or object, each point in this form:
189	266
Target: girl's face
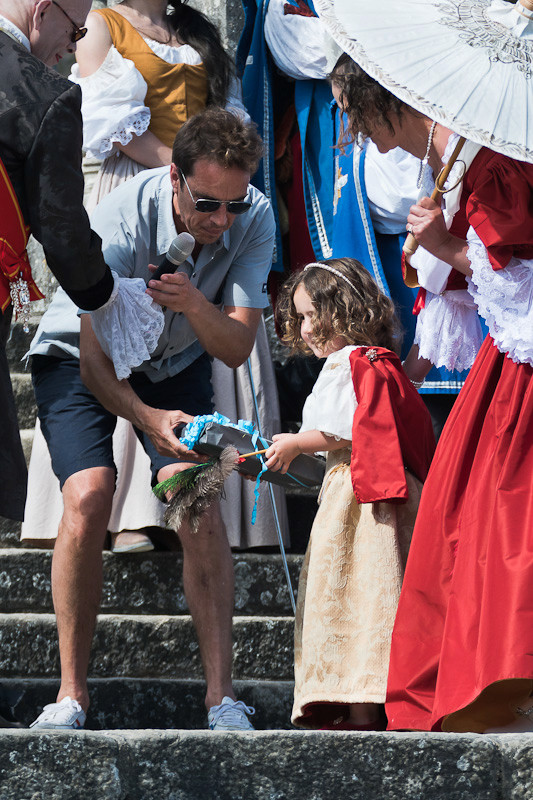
306	312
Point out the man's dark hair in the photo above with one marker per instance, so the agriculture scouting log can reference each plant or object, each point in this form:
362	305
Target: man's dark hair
219	136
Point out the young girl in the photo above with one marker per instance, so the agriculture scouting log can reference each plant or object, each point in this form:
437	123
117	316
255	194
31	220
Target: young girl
368	418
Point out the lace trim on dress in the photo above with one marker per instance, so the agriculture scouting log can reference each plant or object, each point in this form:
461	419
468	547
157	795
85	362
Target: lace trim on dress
132	126
112	107
448	330
505	300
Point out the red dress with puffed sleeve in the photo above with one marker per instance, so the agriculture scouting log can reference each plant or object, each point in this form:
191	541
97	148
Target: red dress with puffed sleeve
462	647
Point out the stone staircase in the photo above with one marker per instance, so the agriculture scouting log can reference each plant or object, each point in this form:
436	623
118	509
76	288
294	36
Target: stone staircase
145	734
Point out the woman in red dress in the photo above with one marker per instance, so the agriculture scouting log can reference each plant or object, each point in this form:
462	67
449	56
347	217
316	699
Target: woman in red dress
462	647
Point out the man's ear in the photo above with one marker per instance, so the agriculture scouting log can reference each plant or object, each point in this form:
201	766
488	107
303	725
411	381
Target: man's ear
39	10
174	176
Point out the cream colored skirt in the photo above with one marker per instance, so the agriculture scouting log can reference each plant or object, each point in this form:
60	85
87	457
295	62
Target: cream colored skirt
134	504
347	597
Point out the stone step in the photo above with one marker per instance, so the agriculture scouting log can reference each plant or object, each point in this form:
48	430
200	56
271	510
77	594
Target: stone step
163	703
265	765
19	343
24	399
147	583
9	533
149	646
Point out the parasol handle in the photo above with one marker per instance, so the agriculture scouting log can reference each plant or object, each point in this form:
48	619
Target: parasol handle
411	245
528	4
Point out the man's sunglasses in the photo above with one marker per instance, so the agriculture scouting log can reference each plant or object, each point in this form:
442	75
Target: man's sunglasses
77	33
206	206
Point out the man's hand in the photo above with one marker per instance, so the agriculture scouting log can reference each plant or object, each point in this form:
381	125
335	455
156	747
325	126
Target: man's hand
175	291
283	450
159	425
227	334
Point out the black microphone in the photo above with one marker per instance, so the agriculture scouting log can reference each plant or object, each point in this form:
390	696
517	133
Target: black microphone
178	252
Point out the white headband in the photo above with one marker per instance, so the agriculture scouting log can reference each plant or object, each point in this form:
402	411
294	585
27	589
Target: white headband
337	273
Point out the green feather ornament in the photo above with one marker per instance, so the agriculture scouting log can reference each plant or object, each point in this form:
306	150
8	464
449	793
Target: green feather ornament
195	489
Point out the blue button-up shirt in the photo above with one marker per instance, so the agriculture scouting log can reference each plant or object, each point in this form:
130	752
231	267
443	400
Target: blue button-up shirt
137	227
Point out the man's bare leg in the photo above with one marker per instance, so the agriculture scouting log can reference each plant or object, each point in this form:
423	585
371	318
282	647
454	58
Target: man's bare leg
209	589
77	573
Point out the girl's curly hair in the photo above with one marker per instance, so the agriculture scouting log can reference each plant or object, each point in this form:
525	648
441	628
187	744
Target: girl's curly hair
367	103
365	316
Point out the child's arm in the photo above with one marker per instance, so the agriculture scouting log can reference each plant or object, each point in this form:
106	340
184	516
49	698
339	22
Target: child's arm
286	446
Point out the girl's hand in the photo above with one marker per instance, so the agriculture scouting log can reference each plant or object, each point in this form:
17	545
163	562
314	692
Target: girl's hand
283	450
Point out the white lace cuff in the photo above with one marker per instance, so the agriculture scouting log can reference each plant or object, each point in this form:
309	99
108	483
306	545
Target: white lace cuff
129	325
448	330
505	300
112	105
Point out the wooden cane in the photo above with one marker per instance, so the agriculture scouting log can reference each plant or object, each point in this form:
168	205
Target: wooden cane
410	245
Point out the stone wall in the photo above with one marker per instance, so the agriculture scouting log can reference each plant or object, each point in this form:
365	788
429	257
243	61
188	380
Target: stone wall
229	17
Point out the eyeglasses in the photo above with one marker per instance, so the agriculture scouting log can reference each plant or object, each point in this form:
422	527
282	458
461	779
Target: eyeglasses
77	33
206	206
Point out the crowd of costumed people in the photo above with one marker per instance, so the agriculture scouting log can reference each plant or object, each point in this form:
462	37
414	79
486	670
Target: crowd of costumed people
338	166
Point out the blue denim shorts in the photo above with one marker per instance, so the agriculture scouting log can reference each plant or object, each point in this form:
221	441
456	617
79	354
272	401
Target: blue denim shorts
79	430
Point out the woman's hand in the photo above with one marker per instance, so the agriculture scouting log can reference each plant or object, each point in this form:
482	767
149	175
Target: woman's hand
426	223
283	450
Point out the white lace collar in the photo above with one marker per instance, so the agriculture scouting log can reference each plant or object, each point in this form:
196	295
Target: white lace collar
11	29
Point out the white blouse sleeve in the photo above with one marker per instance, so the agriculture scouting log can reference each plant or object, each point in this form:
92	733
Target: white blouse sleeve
331	405
390	181
300	46
505	300
234	102
112	105
448	331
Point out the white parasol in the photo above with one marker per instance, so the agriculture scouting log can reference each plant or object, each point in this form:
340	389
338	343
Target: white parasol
467	64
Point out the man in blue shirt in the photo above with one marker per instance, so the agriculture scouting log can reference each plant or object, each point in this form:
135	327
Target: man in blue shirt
212	308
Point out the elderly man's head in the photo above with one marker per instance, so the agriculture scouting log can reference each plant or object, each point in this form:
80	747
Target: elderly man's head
214	156
52	26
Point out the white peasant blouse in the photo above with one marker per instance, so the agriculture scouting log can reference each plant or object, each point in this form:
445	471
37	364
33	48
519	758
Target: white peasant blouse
331	405
113	107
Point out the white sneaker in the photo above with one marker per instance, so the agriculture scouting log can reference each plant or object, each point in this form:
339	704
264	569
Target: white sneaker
230	715
66	715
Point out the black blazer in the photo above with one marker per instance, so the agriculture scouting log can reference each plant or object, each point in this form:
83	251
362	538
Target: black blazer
40	146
